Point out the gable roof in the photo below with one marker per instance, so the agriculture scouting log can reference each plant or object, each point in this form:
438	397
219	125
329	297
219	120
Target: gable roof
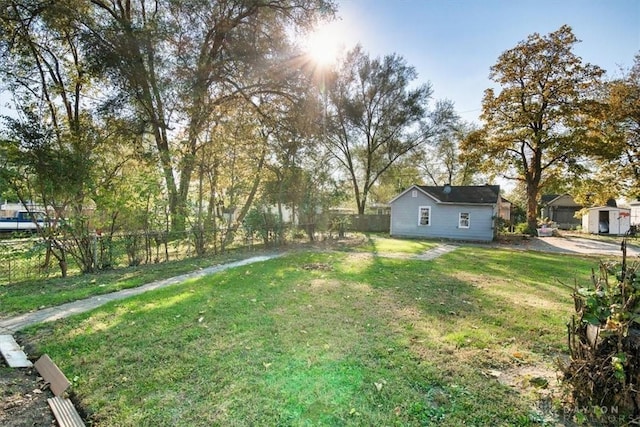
565	200
477	194
548	198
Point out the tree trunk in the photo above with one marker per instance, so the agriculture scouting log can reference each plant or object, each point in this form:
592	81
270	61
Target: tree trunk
61	257
200	227
280	195
231	230
356	191
63	268
47	257
533	177
362	202
532	207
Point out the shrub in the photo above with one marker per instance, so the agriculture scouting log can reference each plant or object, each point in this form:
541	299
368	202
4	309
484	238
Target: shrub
265	224
340	223
523	228
604	342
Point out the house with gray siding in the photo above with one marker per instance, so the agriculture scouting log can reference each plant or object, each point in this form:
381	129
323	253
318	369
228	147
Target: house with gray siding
450	212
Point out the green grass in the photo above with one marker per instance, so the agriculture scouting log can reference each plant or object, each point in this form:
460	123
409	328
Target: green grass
23	297
17	298
380	244
331	338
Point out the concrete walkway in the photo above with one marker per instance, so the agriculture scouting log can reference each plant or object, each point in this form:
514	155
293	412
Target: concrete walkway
436	252
575	244
427	255
14	324
50	314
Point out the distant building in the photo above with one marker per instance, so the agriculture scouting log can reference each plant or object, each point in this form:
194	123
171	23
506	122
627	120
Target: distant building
561	209
607	220
9	209
379	209
635	212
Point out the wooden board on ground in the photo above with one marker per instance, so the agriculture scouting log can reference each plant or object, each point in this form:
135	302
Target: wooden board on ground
65	412
12	353
52	374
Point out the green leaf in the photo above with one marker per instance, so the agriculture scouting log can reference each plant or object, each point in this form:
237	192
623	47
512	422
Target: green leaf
591	318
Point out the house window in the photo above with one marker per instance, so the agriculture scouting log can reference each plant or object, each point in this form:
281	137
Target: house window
463	220
414	193
424	215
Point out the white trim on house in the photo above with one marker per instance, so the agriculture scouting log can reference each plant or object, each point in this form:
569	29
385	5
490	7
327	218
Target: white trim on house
558	197
464	222
416	188
420	209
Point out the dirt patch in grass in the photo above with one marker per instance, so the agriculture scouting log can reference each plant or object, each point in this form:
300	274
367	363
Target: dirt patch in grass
24	398
543	383
318	266
529	377
325	285
360	256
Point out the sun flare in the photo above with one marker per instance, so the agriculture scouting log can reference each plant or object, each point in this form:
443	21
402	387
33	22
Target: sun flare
324	45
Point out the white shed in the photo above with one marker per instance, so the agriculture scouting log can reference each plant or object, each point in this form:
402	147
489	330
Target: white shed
607	220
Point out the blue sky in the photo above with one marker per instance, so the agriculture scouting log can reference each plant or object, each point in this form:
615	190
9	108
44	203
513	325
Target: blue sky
453	43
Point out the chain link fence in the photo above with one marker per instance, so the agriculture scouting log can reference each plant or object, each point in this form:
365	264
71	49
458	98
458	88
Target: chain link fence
26	258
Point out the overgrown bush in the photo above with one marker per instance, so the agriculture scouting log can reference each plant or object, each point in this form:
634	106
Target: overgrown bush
603	373
264	224
134	246
340	224
501	224
523	228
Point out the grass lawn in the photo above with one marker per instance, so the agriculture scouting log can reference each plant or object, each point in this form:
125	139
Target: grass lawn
326	338
379	244
18	298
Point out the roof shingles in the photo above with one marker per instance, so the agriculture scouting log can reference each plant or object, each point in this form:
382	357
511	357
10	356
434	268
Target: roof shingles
463	194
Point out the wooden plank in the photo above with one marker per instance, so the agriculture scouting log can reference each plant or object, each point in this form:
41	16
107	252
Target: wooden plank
12	353
65	412
52	374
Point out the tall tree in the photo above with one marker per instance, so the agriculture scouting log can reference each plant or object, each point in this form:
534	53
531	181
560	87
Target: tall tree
233	161
440	162
53	145
174	61
290	145
374	117
618	124
537	122
400	176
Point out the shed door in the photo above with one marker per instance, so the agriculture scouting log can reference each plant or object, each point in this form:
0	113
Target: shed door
603	222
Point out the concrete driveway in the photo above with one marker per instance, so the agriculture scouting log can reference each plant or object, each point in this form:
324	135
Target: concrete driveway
581	245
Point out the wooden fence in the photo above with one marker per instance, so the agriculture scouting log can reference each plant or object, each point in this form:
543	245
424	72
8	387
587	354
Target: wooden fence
366	223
